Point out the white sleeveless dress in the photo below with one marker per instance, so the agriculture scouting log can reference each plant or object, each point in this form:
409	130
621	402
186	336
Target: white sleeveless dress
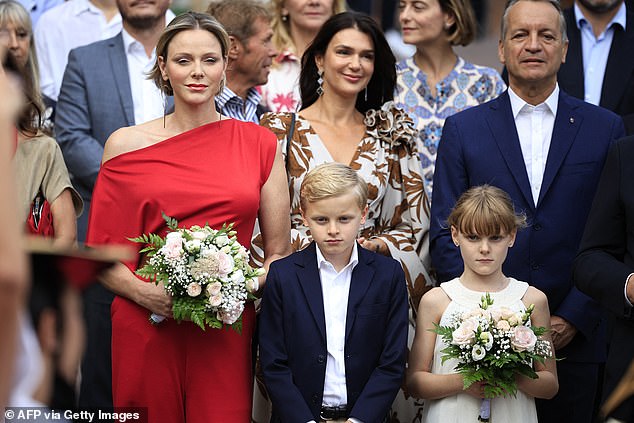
463	408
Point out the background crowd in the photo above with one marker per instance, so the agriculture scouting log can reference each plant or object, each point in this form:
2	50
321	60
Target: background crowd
117	110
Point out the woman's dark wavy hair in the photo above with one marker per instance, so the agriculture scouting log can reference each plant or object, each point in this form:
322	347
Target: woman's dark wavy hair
383	81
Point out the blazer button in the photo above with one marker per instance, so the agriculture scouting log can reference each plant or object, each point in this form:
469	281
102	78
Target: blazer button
534	266
315	399
321	359
537	227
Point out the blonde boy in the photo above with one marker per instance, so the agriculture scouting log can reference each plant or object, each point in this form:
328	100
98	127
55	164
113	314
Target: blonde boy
333	328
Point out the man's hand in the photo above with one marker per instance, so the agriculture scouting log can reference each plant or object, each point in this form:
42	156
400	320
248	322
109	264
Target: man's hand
562	332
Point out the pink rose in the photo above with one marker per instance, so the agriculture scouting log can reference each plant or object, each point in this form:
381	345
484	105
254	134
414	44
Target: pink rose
465	334
214	289
523	339
194	289
503	325
173	247
215	300
505	312
225	264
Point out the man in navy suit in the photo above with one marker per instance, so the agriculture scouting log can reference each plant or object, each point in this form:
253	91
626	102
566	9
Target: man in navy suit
105	88
333	327
546	149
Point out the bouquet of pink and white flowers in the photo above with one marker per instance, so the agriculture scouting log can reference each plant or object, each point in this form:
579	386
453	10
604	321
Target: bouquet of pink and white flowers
205	270
494	345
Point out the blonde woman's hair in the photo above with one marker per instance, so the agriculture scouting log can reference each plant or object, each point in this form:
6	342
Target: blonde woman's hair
485	210
29	121
185	22
332	180
282	29
463	31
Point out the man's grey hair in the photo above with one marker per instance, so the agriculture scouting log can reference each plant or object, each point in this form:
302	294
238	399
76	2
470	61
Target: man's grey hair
554	3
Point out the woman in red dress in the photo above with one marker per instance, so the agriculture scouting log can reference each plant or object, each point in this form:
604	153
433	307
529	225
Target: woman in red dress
196	166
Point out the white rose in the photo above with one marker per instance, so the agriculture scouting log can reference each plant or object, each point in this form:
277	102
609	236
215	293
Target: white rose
194	289
465	333
215	300
503	325
478	352
214	289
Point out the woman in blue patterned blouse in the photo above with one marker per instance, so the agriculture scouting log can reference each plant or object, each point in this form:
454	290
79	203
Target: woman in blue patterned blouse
436	83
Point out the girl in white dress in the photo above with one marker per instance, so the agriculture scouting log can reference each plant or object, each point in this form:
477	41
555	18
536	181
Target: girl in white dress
483	225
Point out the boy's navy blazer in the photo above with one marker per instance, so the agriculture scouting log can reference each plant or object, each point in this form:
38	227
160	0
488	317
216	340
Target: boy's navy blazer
293	336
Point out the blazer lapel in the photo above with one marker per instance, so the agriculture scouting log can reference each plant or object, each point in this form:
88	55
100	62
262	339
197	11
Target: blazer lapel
361	278
119	64
504	131
619	67
308	275
567	124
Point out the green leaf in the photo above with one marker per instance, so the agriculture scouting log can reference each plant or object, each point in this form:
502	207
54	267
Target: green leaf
171	222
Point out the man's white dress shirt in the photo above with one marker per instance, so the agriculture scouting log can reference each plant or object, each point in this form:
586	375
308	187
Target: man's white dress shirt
534	126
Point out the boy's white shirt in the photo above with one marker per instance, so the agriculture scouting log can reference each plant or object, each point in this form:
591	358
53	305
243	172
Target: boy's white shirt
335	288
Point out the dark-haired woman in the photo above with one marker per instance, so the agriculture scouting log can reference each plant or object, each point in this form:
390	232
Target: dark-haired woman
347	84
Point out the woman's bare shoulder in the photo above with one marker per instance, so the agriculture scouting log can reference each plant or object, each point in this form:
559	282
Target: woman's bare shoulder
130	138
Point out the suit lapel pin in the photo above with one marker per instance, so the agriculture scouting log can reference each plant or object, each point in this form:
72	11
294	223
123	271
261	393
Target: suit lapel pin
572	120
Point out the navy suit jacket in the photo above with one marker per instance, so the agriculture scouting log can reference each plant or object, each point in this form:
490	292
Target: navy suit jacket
617	93
95	100
481	146
293	337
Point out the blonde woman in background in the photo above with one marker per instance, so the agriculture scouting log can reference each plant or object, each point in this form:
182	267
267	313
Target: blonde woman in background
13	263
295	23
436	83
